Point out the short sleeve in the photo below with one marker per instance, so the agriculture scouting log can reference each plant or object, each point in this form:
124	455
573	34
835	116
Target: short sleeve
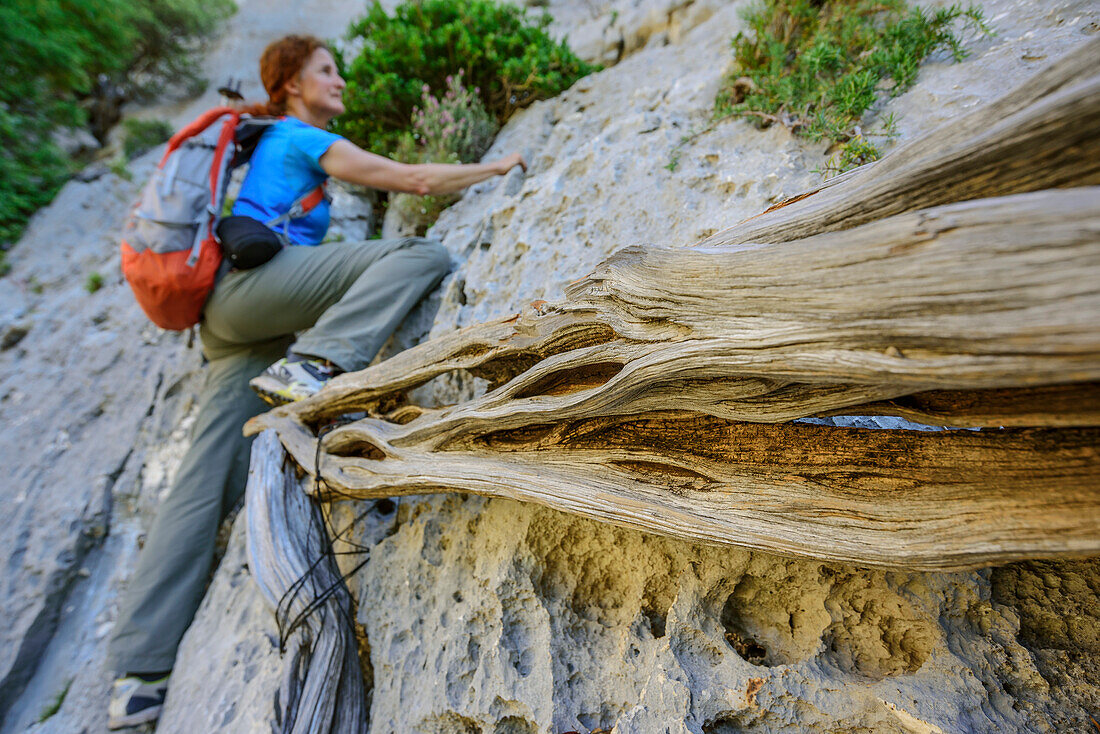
312	143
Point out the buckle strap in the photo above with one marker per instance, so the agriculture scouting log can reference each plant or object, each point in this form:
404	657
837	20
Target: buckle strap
302	206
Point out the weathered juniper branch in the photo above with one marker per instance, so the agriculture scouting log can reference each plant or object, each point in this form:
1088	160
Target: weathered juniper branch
657	395
918	499
323	690
644	429
986	294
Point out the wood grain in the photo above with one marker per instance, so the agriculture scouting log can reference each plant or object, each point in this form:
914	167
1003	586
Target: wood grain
956	282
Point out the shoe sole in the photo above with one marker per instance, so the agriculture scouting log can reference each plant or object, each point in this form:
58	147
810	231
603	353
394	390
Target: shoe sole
141	717
268	390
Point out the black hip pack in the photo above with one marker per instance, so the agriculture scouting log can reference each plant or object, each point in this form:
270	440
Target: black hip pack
247	242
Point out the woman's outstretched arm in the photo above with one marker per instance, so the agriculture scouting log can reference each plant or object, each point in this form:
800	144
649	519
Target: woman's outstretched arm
348	162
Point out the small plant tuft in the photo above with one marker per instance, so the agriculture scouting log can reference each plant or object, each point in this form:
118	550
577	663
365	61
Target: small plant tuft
119	168
94	282
144	135
859	149
452	128
5	264
817	65
55	705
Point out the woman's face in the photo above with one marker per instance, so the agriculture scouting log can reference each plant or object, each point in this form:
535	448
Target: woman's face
320	86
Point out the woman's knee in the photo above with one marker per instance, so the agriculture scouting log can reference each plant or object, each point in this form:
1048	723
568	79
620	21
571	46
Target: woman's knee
436	255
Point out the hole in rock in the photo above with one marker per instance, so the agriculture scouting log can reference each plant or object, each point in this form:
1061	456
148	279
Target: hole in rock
448	723
515	725
774	621
750	650
574	379
656	622
724	724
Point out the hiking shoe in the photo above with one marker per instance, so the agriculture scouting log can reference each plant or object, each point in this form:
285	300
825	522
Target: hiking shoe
287	381
136	699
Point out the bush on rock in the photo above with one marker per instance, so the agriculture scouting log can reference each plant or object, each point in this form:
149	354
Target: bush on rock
818	66
501	51
71	64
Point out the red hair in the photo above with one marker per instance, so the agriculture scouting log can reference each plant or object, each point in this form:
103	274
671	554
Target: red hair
280	62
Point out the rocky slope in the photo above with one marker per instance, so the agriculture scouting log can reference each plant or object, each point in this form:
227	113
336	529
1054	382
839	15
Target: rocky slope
492	616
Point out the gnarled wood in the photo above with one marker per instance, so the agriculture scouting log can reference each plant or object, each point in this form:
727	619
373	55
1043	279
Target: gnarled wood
987	294
658	393
643	429
918	499
323	689
1053	405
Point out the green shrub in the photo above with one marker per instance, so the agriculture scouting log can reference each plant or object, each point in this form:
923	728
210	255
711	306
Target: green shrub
817	66
143	135
32	169
504	53
60	59
118	167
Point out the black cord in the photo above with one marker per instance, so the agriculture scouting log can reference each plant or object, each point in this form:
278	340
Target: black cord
322	522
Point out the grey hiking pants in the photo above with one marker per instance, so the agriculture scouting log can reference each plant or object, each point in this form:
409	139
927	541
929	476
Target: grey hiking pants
345	299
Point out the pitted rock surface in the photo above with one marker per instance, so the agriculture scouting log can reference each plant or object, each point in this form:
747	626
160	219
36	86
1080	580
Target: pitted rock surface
489	615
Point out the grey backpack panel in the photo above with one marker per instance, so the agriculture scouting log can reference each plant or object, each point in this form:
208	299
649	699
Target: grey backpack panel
175	204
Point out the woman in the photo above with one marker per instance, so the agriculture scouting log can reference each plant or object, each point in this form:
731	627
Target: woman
342	300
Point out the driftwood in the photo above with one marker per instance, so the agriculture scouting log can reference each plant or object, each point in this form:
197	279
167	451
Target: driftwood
948	283
323	689
647	428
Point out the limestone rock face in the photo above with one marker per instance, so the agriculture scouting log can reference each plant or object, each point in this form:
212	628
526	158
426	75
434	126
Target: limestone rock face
498	616
96	405
492	616
607	31
224	682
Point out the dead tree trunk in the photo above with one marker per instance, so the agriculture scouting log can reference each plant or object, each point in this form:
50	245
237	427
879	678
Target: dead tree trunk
323	689
659	393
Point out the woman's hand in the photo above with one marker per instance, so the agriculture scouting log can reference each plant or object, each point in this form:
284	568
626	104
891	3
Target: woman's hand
509	162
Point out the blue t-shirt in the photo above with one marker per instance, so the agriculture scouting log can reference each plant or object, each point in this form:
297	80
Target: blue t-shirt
284	167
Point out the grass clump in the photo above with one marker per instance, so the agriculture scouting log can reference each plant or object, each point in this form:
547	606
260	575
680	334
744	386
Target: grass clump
94	282
55	705
501	51
817	65
144	135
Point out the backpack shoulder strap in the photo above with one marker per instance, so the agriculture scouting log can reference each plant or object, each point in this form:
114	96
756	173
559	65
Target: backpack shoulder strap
302	206
196	126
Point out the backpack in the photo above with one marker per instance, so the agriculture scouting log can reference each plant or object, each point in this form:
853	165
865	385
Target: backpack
170	252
